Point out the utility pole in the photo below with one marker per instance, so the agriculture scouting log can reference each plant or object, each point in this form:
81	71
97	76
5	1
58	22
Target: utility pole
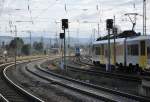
98	31
144	17
50	43
94	30
114	32
30	43
15	39
109	49
97	7
62	60
68	43
56	40
42	44
64	49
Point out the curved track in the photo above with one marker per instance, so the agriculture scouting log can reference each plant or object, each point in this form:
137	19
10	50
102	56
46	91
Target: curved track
10	92
46	90
86	88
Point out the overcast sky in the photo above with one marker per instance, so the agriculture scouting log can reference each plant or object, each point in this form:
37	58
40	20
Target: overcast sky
42	17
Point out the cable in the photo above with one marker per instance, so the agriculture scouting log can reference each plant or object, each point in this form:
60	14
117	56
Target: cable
44	10
2	6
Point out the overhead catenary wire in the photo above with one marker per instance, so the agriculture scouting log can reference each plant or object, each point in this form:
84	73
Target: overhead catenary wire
30	12
67	7
2	6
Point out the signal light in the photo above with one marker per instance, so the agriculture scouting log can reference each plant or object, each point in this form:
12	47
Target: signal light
62	35
109	23
64	23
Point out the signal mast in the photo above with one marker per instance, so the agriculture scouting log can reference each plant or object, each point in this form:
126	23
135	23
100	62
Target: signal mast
144	17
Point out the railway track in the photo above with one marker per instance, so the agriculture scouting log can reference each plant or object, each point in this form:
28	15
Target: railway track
144	75
73	67
86	61
89	89
128	77
11	92
3	99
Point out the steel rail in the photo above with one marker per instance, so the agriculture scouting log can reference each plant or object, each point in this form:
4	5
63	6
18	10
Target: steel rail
71	87
136	97
29	95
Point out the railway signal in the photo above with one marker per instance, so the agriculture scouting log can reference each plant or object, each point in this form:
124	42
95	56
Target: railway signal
64	27
64	24
62	35
109	26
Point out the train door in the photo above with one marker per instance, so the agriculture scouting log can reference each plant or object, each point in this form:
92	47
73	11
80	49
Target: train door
96	53
112	53
143	54
148	54
105	53
102	59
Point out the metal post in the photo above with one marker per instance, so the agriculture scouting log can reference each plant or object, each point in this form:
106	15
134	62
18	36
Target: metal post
62	65
109	25
64	49
145	14
98	30
114	31
69	43
15	38
42	44
144	17
94	30
64	26
109	50
30	44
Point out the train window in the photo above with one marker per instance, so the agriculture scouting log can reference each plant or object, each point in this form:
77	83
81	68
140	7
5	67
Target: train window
133	50
102	50
97	50
148	52
119	50
142	43
129	50
106	53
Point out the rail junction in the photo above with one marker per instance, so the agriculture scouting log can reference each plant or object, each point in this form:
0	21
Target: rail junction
33	80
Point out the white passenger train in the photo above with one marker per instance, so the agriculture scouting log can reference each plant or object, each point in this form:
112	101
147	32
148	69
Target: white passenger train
132	51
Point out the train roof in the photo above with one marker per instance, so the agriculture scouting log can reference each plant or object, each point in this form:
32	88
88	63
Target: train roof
146	37
120	40
106	41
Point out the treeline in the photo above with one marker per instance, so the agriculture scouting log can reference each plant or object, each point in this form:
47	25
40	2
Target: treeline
17	44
